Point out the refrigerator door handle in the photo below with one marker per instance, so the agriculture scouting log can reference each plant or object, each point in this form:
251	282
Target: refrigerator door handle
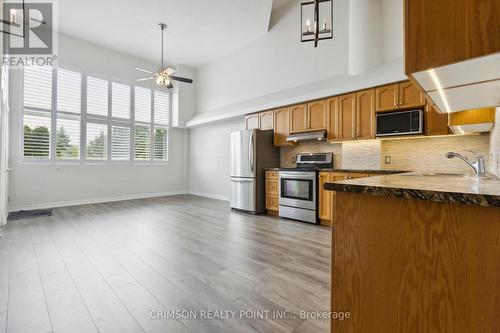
249	180
250	152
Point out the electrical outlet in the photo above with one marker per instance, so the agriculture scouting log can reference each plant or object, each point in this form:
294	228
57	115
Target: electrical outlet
387	160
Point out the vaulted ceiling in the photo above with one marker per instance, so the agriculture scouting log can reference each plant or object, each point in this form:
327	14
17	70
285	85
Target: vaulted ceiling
199	31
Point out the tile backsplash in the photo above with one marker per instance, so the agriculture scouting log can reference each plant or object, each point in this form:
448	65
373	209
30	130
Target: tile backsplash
422	154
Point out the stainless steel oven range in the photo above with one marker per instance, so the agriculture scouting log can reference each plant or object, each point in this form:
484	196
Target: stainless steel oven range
298	187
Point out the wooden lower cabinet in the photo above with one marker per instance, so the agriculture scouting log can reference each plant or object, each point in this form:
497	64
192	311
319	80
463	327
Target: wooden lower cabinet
272	194
326	198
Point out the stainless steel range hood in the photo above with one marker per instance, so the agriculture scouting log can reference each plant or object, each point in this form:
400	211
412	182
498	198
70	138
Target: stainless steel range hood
307	136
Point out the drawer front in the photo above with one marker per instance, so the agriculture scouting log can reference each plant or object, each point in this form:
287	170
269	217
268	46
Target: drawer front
358	175
272	175
272	186
272	202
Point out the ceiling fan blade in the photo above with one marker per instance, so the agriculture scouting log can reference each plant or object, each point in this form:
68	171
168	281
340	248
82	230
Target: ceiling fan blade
143	70
146	78
181	79
169	71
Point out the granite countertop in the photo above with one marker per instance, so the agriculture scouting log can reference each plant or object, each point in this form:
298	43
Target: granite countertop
381	172
427	186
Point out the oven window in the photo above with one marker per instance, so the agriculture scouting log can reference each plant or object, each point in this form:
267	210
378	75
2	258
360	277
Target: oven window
297	189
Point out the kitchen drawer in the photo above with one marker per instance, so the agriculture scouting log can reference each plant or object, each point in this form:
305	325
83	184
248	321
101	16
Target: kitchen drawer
272	186
272	202
353	175
272	175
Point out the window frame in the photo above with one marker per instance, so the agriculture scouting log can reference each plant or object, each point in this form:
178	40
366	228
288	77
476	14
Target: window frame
86	118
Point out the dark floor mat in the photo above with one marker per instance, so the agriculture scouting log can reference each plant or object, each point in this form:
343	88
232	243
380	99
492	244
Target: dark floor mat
28	214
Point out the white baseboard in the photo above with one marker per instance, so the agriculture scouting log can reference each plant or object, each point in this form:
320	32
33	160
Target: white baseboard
93	201
210	195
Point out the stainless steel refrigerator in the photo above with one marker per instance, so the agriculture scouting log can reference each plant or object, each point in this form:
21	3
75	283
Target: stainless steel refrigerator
252	151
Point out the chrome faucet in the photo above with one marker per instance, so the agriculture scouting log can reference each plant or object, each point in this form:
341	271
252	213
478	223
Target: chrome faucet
477	165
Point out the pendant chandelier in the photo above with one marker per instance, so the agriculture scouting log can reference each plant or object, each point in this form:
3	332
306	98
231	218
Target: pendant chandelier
316	21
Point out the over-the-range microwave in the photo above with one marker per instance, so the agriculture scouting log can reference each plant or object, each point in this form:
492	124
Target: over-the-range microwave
400	122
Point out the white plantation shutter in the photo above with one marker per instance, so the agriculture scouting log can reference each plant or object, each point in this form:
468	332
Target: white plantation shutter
120	101
142	104
38	87
36	135
97	135
67	137
162	108
142	143
69	89
113	129
120	143
161	144
97	96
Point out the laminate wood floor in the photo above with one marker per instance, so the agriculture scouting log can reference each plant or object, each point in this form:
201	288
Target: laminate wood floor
122	266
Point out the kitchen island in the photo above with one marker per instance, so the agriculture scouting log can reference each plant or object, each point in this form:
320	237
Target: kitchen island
416	252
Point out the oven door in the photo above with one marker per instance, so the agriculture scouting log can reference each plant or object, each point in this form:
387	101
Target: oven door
298	189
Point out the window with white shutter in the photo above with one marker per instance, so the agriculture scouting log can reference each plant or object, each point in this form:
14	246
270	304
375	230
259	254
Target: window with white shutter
38	87
67	137
108	128
97	141
162	108
97	96
161	144
37	113
142	104
120	143
120	101
36	136
69	92
142	143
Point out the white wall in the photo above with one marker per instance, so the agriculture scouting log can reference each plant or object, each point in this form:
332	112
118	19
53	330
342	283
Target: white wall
47	185
209	159
280	67
275	62
276	69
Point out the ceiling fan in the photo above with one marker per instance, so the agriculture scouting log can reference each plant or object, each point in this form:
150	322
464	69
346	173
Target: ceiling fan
163	76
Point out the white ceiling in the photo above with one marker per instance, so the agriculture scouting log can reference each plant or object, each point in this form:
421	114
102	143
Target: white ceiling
199	31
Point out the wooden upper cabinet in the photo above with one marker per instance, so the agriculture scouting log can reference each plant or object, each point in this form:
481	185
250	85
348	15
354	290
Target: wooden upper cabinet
281	126
266	120
442	32
252	121
333	118
298	118
387	97
365	114
347	116
435	123
410	96
317	115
